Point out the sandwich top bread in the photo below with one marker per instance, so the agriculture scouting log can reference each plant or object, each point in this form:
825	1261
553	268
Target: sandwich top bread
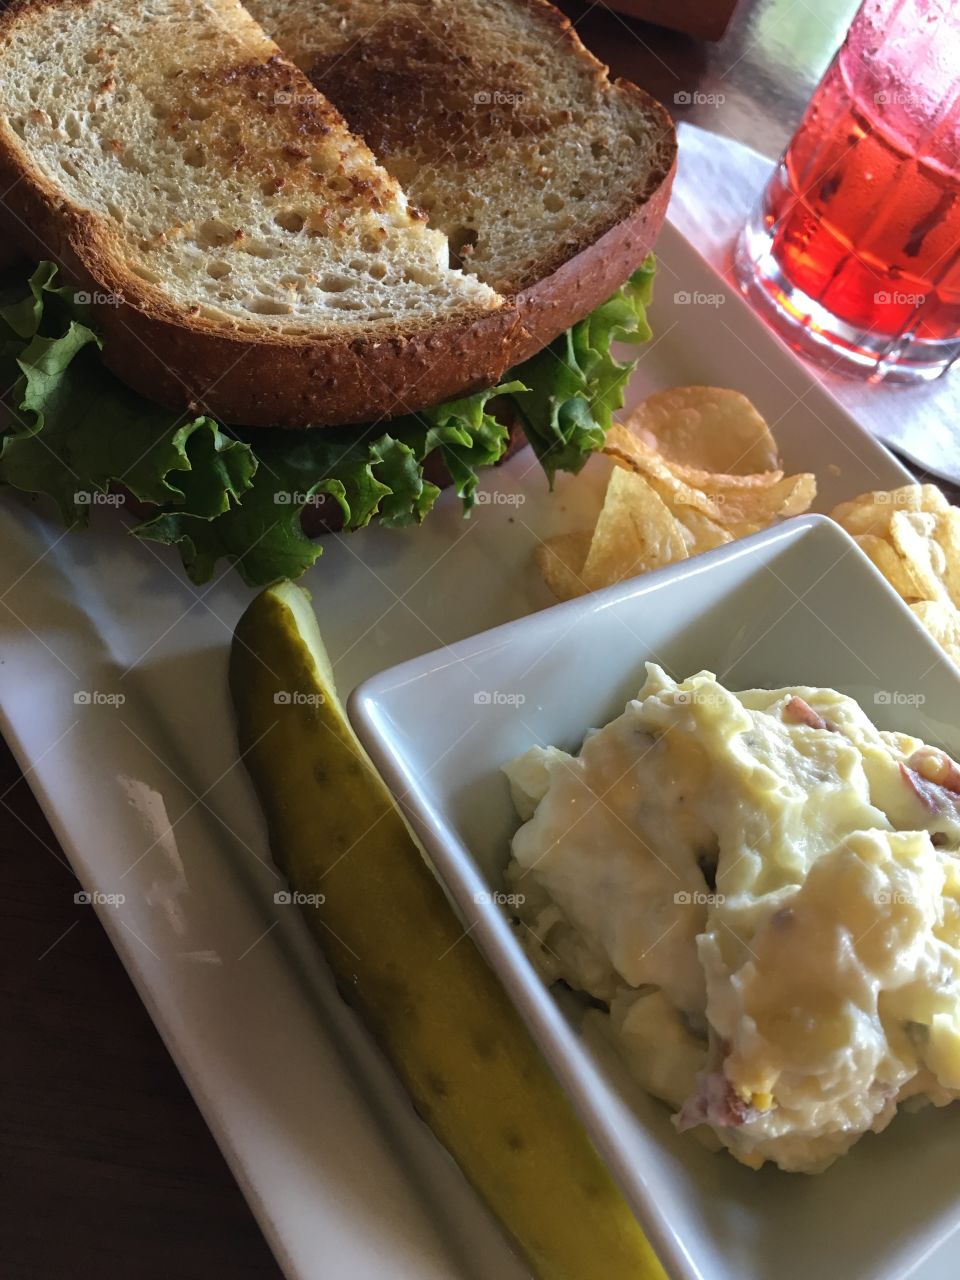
549	180
260	261
248	253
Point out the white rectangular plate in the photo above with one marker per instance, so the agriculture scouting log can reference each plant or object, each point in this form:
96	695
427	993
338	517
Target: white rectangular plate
148	801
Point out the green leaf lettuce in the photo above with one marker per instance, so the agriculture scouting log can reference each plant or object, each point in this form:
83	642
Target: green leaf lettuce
74	431
576	383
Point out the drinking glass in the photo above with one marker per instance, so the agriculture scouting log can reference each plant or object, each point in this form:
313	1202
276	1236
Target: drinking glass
854	251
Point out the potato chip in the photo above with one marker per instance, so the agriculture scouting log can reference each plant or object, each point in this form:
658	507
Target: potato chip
942	620
891	564
756	499
561	560
744	530
947	534
630	451
871	512
710	428
701	479
799	497
912	534
697	467
762	503
636	532
701	533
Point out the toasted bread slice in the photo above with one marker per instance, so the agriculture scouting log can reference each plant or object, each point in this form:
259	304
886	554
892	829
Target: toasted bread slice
246	253
550	181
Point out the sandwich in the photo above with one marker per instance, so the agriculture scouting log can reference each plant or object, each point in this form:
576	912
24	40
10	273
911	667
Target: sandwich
301	263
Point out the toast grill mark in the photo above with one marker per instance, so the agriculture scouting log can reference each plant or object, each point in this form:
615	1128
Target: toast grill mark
286	142
401	87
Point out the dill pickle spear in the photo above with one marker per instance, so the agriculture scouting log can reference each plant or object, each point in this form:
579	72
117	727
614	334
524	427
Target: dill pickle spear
398	952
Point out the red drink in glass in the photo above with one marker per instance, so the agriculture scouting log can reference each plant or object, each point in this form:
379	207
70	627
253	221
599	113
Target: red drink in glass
854	253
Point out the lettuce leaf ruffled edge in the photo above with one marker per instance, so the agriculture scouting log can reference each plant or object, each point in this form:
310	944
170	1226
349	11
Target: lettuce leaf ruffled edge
77	434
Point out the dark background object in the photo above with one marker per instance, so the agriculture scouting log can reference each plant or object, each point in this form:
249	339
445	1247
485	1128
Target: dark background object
705	19
110	1172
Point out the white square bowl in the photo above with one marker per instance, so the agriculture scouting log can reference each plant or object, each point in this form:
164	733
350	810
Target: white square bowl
799	604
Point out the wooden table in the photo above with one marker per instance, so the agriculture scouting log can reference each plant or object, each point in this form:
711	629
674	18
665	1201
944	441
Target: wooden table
111	1172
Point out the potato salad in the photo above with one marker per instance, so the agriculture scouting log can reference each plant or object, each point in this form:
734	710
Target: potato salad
763	891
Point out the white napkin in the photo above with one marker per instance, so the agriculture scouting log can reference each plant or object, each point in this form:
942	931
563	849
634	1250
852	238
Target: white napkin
718	181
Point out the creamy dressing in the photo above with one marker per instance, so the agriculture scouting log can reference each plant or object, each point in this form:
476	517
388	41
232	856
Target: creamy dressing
749	881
